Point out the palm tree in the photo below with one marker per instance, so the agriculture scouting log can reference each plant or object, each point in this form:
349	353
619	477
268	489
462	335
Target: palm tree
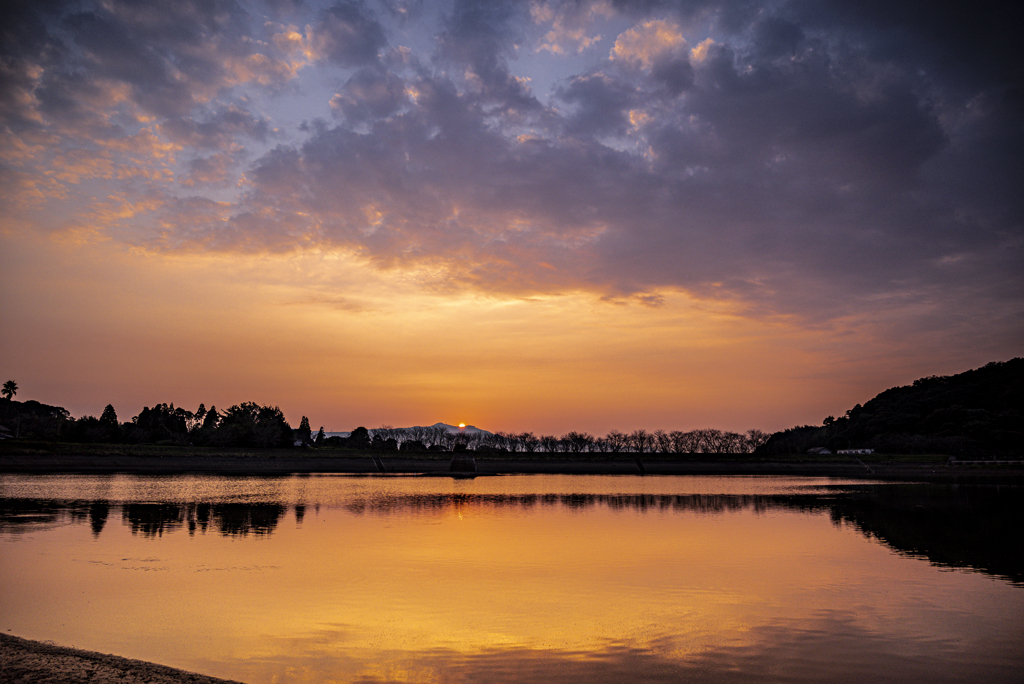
9	390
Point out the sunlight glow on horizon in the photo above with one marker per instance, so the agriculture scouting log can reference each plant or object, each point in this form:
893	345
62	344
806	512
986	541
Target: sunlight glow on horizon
546	217
550	364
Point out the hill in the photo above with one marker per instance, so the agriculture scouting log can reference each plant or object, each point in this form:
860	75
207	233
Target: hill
978	412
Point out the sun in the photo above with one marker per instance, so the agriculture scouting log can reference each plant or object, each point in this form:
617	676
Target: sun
462	425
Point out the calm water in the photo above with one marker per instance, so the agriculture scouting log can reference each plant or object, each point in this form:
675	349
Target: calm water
521	579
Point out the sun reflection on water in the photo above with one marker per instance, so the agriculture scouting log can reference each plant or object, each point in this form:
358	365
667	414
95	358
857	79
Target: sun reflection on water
497	579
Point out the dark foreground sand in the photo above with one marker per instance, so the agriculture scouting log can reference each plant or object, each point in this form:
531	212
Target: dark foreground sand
24	661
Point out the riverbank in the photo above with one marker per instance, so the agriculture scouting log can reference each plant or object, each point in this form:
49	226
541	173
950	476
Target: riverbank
284	462
35	662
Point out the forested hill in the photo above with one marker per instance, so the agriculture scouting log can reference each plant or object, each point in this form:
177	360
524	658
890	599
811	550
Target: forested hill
979	412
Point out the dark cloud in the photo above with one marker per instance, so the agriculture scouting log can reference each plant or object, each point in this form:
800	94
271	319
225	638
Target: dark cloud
775	37
213	170
790	170
602	104
675	74
809	158
218	130
370	94
348	34
405	10
481	34
169	56
968	44
112	51
284	9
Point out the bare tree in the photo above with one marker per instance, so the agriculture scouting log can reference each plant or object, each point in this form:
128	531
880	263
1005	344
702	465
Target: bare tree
640	441
445	438
417	434
502	440
385	432
754	439
732	443
438	435
549	443
680	442
616	441
512	442
577	442
529	442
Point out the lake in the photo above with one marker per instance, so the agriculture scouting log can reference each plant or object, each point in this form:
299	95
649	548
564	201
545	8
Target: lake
537	578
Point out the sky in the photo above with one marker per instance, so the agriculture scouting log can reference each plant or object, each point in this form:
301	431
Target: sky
525	216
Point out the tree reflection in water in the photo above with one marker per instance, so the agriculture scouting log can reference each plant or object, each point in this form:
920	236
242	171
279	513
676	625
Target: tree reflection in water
952	526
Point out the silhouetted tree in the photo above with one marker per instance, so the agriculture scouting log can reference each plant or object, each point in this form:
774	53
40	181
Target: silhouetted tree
978	412
304	434
754	439
249	424
109	415
529	442
577	442
111	428
194	421
549	443
359	439
162	423
616	441
9	390
640	441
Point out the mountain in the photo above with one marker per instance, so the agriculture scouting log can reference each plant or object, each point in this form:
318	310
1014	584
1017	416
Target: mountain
454	429
978	412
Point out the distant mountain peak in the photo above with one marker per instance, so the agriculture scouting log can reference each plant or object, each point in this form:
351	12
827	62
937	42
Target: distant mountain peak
471	429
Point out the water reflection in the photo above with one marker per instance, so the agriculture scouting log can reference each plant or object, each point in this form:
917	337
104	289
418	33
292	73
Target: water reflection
520	579
952	526
231	520
27	515
786	650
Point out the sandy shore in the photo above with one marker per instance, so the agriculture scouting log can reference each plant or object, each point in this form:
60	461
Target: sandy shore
34	662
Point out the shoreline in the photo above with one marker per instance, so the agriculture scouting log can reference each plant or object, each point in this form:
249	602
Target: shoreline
38	662
277	464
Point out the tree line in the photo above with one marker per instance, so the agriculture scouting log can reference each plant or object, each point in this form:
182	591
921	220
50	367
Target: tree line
439	438
253	425
975	413
638	441
243	425
972	413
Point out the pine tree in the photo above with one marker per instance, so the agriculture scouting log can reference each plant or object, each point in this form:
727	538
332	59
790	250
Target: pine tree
304	432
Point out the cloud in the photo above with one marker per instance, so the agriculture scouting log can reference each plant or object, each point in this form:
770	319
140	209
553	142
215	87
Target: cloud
571	25
219	130
657	46
370	94
346	34
648	43
480	35
217	169
603	104
806	160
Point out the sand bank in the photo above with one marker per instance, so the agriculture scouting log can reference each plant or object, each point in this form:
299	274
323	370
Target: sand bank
34	662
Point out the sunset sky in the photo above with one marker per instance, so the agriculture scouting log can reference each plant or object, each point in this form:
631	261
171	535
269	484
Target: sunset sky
543	216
